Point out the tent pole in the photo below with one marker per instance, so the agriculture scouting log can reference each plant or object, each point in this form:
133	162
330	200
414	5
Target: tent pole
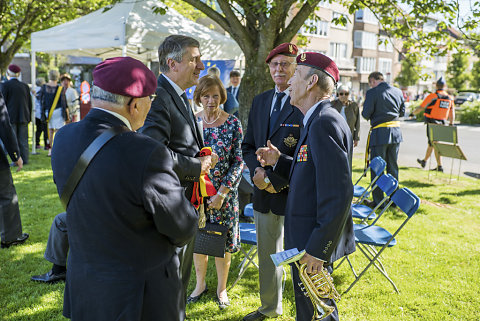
33	78
124	50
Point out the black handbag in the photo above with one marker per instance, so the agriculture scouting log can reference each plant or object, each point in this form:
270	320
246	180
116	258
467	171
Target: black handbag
211	240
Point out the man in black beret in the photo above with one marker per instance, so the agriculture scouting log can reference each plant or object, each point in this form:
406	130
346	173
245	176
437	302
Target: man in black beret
318	212
128	213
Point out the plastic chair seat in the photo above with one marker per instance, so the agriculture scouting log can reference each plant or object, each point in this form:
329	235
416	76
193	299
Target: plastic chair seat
248	211
358	190
362	211
374	235
248	234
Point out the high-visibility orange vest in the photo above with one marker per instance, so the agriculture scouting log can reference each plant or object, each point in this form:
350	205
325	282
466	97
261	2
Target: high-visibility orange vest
437	105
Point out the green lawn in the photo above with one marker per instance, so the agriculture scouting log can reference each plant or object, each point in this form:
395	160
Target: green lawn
436	264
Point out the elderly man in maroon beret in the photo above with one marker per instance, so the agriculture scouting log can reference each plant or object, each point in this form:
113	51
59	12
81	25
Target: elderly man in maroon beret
272	117
318	215
19	105
128	213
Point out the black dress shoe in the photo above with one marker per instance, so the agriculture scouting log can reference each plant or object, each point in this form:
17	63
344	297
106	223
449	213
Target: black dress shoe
421	162
369	203
254	316
19	240
437	169
193	299
49	277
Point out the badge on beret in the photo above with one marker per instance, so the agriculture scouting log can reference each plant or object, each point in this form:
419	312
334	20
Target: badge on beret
303	57
290	141
290	48
302	154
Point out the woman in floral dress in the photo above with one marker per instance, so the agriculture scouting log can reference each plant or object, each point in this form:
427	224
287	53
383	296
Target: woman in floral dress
223	133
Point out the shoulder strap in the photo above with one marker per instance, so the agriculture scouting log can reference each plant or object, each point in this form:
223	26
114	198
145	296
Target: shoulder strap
85	160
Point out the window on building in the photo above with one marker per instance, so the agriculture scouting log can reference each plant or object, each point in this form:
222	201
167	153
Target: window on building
385	67
338	15
338	50
324	4
385	44
364	40
315	28
366	16
365	65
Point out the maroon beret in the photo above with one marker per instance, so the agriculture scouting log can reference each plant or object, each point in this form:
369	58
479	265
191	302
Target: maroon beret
286	49
125	76
319	61
14	68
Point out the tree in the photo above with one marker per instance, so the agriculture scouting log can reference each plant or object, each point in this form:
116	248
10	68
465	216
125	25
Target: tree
19	18
410	72
476	75
457	70
258	26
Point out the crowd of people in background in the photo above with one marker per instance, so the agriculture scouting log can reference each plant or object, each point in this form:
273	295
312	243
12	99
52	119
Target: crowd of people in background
141	193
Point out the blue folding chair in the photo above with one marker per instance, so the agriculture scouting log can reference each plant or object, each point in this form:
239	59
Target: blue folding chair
371	237
248	235
377	165
388	184
248	210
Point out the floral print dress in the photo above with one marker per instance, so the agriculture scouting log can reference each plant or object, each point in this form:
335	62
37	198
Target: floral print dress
226	141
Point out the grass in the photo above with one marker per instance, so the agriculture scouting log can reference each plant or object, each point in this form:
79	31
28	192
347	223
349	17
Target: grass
436	264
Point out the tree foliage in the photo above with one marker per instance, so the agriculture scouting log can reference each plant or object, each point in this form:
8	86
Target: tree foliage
475	81
457	70
410	73
19	18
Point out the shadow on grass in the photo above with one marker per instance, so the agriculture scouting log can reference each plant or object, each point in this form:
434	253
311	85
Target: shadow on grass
413	184
466	192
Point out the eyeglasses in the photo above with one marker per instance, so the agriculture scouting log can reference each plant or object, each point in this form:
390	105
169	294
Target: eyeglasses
341	94
283	64
152	97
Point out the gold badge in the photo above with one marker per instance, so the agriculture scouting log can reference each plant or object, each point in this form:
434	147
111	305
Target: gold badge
290	48
290	141
303	57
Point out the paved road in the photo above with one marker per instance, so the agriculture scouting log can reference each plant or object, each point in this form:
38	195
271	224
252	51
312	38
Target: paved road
415	144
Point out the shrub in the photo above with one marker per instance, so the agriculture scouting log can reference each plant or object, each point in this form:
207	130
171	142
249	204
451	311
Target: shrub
413	105
470	113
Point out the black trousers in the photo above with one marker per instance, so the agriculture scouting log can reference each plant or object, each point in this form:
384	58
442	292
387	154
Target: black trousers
41	127
10	222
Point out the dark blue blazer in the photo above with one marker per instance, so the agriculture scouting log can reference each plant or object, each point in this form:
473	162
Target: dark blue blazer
8	137
231	105
384	103
284	137
169	123
230	90
318	212
125	220
18	100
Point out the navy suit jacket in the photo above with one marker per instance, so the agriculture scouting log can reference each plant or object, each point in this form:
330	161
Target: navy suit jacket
125	219
284	137
18	100
230	90
169	123
8	137
384	103
318	212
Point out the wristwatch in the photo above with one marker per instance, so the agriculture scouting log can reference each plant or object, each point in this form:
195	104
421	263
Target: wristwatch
266	180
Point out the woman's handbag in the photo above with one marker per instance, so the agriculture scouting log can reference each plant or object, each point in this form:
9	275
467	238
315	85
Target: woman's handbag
211	239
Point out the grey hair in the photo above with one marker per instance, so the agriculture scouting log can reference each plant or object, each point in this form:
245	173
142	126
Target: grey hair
39	81
53	75
114	99
174	47
325	82
12	74
343	88
214	71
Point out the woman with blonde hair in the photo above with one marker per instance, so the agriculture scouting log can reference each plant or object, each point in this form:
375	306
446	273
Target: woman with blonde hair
223	133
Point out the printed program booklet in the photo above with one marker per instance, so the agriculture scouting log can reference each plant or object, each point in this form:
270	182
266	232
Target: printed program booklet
287	256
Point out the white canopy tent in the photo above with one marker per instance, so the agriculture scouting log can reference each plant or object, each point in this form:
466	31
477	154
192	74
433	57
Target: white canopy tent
129	28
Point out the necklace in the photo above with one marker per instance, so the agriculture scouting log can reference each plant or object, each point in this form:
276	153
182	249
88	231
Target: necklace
209	123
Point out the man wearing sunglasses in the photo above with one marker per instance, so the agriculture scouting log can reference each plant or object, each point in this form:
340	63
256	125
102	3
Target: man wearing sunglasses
349	110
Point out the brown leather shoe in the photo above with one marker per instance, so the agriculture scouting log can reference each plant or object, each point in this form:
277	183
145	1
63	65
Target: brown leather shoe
19	240
254	316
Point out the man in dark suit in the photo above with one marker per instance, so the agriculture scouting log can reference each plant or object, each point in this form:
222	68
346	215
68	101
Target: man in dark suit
349	110
318	211
128	213
19	105
383	106
235	80
272	117
171	121
10	222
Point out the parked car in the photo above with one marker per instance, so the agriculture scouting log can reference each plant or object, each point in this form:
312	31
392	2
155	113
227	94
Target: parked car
464	96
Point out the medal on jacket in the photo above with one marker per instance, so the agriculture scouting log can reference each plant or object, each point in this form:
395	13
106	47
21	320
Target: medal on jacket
290	141
302	155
